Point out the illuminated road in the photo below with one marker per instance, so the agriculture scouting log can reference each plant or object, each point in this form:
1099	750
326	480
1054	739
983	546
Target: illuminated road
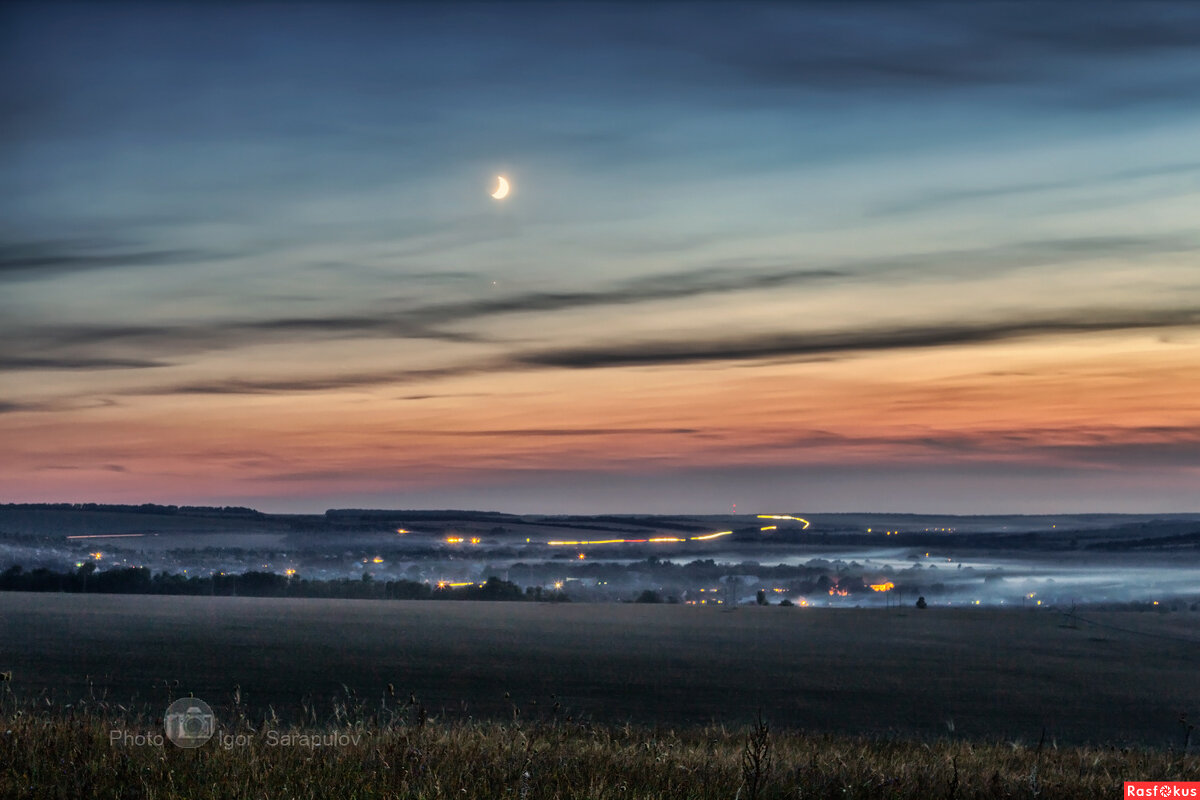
675	539
784	516
704	538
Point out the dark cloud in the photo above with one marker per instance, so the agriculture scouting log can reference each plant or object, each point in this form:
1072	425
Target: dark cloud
733	277
1109	28
63	404
867	46
90	346
552	432
87	346
1086	447
1167	446
673	286
71	468
49	259
735	351
339	62
446	394
801	345
386	325
19	363
321	383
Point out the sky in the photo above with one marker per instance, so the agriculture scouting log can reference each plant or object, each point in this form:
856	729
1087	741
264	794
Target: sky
793	257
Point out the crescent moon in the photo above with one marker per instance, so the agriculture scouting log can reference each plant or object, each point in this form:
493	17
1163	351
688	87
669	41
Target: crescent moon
502	189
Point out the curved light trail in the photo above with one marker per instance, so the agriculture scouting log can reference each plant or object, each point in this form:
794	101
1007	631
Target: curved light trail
785	516
705	538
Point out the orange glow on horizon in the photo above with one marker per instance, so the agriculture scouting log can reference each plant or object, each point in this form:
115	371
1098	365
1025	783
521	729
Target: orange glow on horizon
983	405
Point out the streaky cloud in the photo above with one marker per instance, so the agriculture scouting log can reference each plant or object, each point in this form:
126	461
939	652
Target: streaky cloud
24	363
73	468
705	281
869	47
672	286
51	259
552	432
782	345
322	383
944	199
76	345
732	351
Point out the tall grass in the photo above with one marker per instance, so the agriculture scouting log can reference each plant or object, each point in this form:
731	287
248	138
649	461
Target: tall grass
55	752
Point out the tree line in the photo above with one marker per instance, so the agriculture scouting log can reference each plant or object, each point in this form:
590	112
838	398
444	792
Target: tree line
140	580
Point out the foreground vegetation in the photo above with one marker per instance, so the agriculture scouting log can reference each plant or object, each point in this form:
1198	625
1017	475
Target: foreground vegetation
396	751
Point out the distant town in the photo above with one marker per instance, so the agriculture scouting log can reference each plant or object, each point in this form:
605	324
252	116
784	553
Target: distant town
821	560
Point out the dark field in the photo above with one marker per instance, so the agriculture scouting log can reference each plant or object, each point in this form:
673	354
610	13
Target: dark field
980	674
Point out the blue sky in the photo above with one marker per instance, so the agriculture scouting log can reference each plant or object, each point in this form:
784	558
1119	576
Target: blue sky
248	253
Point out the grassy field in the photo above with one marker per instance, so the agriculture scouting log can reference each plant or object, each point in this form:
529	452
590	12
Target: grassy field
976	675
43	755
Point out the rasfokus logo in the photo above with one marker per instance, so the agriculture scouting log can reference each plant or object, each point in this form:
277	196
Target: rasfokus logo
189	722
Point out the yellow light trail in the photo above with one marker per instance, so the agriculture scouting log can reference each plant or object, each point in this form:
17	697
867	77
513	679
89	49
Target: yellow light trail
108	536
709	536
660	539
785	516
447	584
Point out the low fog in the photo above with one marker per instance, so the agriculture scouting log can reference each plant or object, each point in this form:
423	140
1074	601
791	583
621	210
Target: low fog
814	561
